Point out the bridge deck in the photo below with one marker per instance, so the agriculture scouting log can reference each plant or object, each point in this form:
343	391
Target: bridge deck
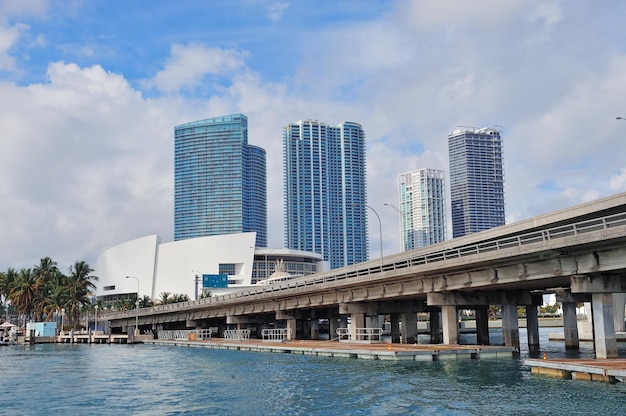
374	351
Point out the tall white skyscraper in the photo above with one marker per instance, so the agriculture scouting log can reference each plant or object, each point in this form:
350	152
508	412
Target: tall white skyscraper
325	192
422	208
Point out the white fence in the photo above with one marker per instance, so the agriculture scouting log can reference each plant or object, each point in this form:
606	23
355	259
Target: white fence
237	334
360	334
281	334
188	334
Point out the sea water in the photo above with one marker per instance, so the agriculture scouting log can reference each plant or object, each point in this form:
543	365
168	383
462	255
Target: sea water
64	379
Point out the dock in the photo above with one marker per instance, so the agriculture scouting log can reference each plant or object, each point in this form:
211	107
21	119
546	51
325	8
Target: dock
367	351
606	370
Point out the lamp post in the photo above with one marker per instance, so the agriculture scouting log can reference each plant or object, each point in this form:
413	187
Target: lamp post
400	217
196	280
380	231
137	309
62	316
95	324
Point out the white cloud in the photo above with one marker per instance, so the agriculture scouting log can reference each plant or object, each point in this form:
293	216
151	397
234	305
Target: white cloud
275	11
188	65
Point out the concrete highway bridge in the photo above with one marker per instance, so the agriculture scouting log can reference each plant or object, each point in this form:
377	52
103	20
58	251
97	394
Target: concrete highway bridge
578	253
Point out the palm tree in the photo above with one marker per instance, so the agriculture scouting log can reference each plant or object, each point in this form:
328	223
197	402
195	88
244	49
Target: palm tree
145	302
80	286
24	290
165	298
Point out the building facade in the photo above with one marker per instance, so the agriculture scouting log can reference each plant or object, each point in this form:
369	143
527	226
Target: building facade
325	191
220	181
175	267
422	208
476	179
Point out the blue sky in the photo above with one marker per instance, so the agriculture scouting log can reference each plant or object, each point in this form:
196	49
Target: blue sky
90	91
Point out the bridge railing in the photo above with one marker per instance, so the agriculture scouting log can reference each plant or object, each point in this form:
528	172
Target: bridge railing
360	334
420	258
237	334
188	334
276	334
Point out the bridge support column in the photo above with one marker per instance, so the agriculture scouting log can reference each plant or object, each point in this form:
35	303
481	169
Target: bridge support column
570	326
291	326
315	328
434	321
333	323
510	326
532	326
395	328
357	320
409	328
619	302
450	324
343	321
603	329
482	325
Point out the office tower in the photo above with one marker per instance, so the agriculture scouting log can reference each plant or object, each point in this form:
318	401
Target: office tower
325	193
220	184
422	208
476	179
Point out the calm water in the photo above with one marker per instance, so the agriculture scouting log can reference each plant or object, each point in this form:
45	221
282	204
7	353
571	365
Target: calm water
152	380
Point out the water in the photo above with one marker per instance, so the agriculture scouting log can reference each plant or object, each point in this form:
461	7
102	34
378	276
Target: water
63	379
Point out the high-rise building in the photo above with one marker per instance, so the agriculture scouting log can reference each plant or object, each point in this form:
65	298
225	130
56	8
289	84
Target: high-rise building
476	179
422	208
220	181
325	192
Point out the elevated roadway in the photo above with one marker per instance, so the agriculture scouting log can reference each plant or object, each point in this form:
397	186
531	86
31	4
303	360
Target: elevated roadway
578	253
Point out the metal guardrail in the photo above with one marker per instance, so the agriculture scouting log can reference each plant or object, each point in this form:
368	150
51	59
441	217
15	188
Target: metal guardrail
237	334
281	334
186	334
360	334
546	235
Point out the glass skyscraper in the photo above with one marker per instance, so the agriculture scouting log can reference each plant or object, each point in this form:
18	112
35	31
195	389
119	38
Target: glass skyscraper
325	192
476	179
220	181
422	208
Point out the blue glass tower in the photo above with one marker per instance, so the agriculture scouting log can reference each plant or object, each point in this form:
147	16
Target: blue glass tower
220	181
325	191
476	180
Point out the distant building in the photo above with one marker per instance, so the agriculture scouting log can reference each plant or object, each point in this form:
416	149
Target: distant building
476	179
172	267
220	181
325	190
422	208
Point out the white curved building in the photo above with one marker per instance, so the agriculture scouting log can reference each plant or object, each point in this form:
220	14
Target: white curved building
175	267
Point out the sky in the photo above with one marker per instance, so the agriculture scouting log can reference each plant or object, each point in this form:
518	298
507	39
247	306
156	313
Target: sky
90	92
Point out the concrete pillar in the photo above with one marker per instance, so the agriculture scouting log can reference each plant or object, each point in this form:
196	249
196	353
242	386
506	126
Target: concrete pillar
434	321
532	326
482	325
570	326
343	321
603	329
409	327
291	325
619	303
450	324
333	324
510	326
357	320
395	328
315	329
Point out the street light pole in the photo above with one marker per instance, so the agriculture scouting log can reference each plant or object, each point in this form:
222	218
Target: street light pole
62	316
380	232
137	310
197	279
95	324
400	217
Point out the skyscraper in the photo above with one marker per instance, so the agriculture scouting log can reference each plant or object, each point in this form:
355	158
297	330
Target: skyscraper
476	179
220	181
325	192
422	208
